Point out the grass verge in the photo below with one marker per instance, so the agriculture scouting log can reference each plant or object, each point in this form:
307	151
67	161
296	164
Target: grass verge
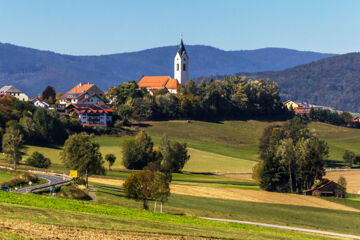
84	214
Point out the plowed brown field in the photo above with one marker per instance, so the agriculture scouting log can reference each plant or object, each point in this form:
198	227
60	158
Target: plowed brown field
50	232
243	195
352	178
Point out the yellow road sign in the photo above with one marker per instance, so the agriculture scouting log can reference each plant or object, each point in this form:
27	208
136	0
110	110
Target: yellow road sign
73	173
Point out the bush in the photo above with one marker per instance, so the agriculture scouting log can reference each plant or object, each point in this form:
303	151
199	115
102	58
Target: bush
79	181
23	178
38	160
73	192
349	158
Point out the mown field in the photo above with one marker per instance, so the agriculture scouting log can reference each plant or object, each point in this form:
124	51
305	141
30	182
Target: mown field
229	146
5	176
36	210
283	214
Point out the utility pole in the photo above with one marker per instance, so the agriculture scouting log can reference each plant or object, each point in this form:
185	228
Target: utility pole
86	176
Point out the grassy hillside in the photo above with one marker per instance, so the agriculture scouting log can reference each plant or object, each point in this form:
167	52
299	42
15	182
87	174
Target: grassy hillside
229	146
35	209
5	176
309	217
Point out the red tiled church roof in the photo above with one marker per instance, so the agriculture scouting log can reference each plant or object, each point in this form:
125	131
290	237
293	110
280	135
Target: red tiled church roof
158	82
173	83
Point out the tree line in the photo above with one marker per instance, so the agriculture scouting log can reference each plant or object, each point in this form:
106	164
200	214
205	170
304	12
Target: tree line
232	98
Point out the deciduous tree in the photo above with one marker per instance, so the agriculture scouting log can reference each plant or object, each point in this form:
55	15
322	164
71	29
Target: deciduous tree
49	95
138	152
11	144
110	158
82	154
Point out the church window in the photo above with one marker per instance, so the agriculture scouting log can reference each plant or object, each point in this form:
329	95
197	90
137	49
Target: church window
177	67
184	67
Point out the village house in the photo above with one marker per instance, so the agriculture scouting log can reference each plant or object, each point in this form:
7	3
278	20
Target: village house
82	93
291	105
181	75
91	115
13	91
299	108
40	103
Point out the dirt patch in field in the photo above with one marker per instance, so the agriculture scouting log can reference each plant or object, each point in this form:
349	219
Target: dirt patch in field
352	179
43	231
239	176
243	195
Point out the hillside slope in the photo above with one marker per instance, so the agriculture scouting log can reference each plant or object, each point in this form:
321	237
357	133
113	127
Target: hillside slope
31	70
331	82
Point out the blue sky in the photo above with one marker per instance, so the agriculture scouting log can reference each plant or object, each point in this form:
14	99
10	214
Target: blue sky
87	27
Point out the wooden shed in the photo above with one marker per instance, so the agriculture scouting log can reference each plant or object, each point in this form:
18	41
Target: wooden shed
326	188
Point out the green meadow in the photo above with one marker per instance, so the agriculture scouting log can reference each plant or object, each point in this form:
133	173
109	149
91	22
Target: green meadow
5	176
229	146
308	217
64	212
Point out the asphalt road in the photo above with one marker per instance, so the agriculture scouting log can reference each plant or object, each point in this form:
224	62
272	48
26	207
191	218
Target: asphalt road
287	228
52	180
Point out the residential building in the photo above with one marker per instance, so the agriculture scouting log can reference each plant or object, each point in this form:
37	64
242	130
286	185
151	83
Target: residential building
303	111
90	92
40	103
91	115
13	91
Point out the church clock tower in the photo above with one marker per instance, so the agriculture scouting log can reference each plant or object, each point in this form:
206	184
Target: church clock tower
181	64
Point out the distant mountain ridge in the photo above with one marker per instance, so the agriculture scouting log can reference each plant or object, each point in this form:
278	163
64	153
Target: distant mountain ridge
32	70
330	82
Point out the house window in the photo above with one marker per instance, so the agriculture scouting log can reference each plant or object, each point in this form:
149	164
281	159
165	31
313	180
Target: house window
184	67
177	67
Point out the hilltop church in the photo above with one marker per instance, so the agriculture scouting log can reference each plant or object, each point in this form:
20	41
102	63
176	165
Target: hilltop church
181	74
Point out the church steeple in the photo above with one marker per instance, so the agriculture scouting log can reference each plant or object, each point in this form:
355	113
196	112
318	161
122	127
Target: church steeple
182	49
181	64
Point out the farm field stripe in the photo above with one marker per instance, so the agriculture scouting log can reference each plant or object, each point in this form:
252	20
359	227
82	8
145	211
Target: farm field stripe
242	195
285	227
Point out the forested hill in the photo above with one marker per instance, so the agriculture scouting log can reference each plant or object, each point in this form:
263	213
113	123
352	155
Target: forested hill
32	70
331	82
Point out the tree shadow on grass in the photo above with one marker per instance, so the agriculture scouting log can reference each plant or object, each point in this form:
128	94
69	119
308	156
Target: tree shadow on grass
114	191
142	125
52	146
334	164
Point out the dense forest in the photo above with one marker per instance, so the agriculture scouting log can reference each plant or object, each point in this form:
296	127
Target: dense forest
30	70
233	98
329	82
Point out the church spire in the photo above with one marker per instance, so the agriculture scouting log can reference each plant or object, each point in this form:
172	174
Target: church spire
181	49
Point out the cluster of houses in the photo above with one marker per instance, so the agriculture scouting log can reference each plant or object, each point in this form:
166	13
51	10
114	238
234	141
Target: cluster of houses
85	101
303	108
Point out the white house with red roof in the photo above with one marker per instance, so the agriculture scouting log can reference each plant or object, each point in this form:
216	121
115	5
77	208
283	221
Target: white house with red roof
181	74
82	93
91	115
40	103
